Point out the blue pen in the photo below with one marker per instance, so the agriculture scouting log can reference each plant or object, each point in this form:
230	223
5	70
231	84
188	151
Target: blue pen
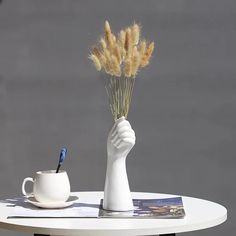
61	158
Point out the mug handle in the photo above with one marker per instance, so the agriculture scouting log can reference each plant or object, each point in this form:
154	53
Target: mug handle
28	179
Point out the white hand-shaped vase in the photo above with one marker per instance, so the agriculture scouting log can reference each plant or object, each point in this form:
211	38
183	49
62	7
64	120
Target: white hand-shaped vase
121	139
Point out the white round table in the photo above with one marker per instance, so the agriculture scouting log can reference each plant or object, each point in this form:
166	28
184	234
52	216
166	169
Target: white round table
200	214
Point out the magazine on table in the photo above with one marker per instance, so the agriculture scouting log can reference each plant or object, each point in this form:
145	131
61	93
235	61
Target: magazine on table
166	208
150	208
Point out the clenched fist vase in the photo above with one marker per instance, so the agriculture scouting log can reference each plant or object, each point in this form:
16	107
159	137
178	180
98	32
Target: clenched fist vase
117	195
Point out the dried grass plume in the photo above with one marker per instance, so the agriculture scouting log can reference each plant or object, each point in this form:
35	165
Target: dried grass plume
123	54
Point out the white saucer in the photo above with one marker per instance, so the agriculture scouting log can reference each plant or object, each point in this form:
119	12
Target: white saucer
52	205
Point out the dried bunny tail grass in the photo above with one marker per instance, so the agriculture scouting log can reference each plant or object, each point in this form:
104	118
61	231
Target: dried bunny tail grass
103	44
107	65
107	54
99	54
108	35
121	42
150	48
103	60
107	27
147	55
135	62
123	54
96	61
114	38
107	68
142	48
135	32
121	51
117	53
96	52
121	38
128	67
115	66
128	42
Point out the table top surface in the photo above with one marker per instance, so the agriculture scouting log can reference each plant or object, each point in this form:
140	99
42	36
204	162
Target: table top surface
200	214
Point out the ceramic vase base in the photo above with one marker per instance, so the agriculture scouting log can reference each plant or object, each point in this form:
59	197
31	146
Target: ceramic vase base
120	209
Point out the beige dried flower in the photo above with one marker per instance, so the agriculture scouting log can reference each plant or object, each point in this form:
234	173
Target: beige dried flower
135	32
96	52
96	62
114	38
108	66
115	66
142	48
117	53
107	54
103	43
121	57
135	62
103	60
108	35
122	38
147	55
99	54
123	54
128	67
128	42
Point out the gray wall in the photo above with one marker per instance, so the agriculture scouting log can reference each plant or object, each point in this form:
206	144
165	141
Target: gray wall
183	108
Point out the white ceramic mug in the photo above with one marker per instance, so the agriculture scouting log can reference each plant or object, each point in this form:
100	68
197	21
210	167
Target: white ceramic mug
49	186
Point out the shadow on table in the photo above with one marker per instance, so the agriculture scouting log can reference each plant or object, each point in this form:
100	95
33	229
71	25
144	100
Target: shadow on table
19	201
90	205
22	202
